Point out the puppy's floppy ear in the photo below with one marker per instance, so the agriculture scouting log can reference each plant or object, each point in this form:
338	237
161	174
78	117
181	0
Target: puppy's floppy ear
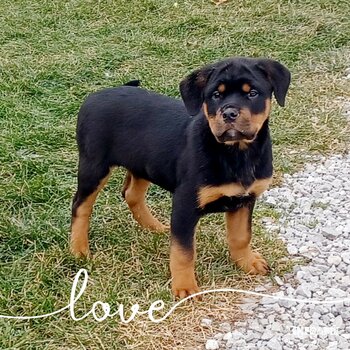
279	77
192	88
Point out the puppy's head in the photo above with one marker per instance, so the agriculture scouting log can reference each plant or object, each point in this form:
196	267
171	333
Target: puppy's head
235	95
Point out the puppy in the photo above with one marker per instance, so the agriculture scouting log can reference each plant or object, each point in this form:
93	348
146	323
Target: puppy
212	151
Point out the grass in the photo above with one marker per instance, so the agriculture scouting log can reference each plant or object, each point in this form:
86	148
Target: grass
53	53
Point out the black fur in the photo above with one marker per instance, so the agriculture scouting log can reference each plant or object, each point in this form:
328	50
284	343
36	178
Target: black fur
133	83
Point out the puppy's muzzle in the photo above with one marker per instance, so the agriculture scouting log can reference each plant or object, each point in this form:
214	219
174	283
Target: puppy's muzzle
233	129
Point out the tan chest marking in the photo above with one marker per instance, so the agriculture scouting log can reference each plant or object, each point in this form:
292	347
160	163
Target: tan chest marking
210	194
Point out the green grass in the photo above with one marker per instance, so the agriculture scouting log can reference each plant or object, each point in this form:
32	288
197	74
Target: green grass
53	53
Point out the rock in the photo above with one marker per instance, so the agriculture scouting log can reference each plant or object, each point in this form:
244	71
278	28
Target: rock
270	201
225	327
267	300
306	315
267	335
293	250
274	344
304	249
271	319
248	308
286	303
277	309
279	281
343	343
345	315
321	309
227	336
330	233
332	345
206	322
255	326
236	335
337	293
338	322
218	336
240	344
303	290
276	327
212	344
346	257
334	260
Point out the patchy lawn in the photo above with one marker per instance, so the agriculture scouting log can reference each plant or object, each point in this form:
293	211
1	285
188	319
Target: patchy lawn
53	53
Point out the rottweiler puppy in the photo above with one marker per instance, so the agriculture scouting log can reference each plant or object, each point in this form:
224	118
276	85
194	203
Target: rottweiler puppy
211	150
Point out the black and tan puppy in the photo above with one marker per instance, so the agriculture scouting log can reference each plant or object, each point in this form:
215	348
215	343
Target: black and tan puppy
212	151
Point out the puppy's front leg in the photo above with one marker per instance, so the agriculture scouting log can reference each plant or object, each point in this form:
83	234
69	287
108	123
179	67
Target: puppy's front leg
184	219
239	232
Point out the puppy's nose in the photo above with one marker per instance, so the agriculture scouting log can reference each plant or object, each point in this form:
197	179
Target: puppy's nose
230	114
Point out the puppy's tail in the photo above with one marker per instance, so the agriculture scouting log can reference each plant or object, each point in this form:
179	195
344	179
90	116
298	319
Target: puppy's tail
135	83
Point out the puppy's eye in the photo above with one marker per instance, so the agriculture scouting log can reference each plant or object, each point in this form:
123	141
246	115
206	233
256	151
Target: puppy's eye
252	93
216	95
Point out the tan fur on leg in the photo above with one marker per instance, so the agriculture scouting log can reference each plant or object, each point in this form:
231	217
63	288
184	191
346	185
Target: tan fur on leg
238	238
182	263
79	241
135	192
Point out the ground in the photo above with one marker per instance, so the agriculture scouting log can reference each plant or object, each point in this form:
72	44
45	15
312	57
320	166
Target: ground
52	55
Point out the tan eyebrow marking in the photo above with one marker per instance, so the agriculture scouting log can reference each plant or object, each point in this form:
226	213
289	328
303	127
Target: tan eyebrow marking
246	87
221	88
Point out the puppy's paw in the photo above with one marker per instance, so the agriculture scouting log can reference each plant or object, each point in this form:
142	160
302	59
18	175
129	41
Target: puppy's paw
80	250
253	263
257	265
160	228
183	290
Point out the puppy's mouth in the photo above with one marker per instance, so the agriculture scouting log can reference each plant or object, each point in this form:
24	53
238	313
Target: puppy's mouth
232	135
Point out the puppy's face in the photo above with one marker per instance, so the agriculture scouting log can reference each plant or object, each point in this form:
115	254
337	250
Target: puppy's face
235	96
236	104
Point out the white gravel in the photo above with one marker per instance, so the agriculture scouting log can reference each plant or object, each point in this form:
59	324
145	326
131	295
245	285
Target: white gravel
314	207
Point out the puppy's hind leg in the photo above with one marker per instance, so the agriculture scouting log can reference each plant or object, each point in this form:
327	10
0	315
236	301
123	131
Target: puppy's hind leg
134	192
91	180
